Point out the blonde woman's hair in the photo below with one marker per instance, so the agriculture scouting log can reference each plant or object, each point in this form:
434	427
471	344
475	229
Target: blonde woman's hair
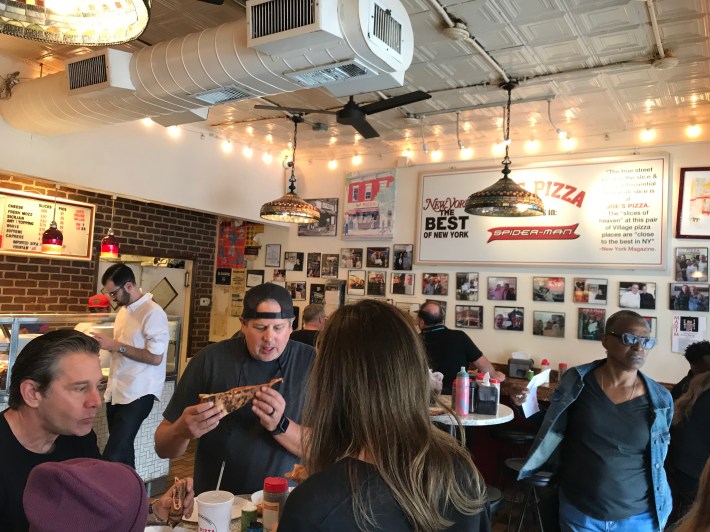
368	397
699	384
698	517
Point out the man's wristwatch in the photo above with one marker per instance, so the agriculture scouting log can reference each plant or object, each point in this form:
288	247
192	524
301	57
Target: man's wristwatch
122	349
284	422
153	517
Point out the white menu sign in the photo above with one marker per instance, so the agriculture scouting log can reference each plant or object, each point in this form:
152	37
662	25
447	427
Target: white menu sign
601	213
24	217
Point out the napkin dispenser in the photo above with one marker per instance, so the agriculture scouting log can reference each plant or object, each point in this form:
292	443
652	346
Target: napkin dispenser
518	367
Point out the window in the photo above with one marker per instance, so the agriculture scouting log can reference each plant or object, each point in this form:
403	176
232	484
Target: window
368	191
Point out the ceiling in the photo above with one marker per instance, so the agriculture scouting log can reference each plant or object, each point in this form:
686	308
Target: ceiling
592	59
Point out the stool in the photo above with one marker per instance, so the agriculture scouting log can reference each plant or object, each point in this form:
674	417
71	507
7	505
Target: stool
515	442
495	498
529	485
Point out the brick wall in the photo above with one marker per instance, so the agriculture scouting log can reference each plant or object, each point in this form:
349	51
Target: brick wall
46	285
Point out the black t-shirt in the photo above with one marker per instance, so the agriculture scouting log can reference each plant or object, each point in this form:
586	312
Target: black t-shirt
324	502
305	336
449	350
690	439
605	467
16	462
250	453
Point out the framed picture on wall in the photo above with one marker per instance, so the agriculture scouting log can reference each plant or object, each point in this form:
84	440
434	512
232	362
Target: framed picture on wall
403	257
693	215
592	291
273	255
689	296
376	283
378	258
297	290
502	288
633	294
466	286
435	284
350	258
651	322
469	317
313	265
293	261
590	324
356	282
549	289
328	223
279	274
691	265
509	318
402	283
550	324
330	266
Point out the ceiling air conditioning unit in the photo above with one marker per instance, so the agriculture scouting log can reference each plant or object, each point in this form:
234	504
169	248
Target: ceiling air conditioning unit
103	73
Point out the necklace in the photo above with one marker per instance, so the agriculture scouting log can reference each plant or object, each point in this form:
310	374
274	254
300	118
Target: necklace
633	389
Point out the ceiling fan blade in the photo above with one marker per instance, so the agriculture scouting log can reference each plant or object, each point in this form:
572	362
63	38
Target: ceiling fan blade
365	129
294	109
395	101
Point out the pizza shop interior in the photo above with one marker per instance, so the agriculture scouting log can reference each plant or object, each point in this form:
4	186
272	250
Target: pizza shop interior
511	174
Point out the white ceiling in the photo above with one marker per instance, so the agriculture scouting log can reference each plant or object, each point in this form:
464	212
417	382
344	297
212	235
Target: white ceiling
592	58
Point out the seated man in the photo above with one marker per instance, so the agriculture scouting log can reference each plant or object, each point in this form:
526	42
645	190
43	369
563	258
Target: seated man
53	400
447	349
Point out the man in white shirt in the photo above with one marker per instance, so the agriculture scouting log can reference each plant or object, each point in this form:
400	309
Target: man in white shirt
631	298
138	351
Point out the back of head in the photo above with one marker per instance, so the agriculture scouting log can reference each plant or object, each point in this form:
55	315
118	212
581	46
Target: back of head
85	494
431	314
119	274
39	360
312	312
697	353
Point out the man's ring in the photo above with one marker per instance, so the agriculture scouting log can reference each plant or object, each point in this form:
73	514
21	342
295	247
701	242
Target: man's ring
272	411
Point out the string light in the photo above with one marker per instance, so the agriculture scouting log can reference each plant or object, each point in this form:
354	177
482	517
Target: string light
357	160
436	155
332	164
560	133
532	146
227	146
647	135
267	158
693	131
147	122
247	152
466	153
569	143
174	131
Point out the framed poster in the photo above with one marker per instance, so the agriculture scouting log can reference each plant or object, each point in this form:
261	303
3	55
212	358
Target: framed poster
273	255
549	289
403	255
369	206
689	296
590	324
469	317
297	290
376	283
633	294
402	283
293	261
330	265
351	258
509	318
435	284
313	262
550	324
687	330
328	223
691	264
599	213
590	290
377	258
466	286
356	283
693	203
502	288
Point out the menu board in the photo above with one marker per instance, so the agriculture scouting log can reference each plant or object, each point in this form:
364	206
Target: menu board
25	216
600	213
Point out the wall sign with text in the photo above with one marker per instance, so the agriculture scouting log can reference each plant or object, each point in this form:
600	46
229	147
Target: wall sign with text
25	216
600	213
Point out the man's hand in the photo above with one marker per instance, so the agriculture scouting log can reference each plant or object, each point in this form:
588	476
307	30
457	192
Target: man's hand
163	504
106	342
197	420
499	375
269	406
519	394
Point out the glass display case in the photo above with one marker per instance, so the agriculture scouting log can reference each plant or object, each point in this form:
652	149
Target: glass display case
16	330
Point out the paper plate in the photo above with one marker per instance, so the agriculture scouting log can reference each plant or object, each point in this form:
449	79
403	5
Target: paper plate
239	503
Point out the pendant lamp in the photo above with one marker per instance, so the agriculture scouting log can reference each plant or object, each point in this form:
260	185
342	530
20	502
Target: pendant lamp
85	22
52	238
290	207
109	243
505	197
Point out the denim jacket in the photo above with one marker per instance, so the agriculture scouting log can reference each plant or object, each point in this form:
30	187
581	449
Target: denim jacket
545	448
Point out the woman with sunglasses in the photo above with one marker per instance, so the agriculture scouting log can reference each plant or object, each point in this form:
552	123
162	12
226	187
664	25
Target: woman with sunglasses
606	435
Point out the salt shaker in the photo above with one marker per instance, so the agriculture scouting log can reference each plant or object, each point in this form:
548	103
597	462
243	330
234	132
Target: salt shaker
275	494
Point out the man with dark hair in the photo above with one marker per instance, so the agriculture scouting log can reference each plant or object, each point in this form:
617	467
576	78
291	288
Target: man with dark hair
53	400
137	370
698	356
448	349
254	442
313	322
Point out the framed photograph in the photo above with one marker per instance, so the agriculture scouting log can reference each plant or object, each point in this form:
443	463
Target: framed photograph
328	223
255	277
403	254
293	261
633	294
368	213
549	289
469	317
376	283
651	321
317	294
691	265
273	255
466	286
689	296
279	275
313	265
509	318
377	258
297	290
687	330
350	258
590	325
502	288
356	282
550	324
592	291
402	284
410	308
330	266
435	284
693	203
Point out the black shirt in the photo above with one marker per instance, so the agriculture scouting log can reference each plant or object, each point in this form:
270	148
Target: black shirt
448	351
305	336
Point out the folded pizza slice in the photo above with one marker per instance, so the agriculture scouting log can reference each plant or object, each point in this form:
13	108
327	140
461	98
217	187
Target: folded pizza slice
234	399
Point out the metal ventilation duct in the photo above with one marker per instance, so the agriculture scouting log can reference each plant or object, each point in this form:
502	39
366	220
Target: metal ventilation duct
347	46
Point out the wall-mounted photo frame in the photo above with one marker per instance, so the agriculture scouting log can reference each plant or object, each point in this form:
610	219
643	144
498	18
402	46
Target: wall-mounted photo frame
376	283
590	323
687	330
297	290
402	283
327	225
313	261
503	288
273	255
469	317
403	254
466	286
689	296
279	275
551	324
509	318
592	291
691	265
651	321
351	258
330	265
636	295
435	284
549	289
356	282
293	261
410	308
255	277
693	219
377	257
317	294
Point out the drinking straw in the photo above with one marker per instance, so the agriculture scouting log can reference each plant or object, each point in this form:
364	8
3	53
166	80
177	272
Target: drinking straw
219	480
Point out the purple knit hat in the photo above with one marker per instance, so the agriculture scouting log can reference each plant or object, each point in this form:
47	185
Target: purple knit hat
85	494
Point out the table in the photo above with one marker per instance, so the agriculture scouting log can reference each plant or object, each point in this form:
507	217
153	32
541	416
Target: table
504	414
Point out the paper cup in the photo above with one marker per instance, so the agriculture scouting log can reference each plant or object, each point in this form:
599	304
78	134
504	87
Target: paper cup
214	511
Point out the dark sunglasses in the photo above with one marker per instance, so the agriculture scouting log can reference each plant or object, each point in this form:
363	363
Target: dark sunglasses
631	340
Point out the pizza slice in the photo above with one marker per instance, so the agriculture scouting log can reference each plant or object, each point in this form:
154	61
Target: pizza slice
234	399
177	505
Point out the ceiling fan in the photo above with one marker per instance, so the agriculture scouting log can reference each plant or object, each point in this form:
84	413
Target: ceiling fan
352	114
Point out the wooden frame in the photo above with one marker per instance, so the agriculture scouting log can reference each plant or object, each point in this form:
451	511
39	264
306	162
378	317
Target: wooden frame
692	222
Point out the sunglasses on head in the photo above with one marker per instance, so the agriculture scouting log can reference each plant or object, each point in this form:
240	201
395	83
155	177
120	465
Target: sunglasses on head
631	340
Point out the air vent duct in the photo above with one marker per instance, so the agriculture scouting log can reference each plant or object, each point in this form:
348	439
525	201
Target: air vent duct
387	29
316	77
102	73
231	93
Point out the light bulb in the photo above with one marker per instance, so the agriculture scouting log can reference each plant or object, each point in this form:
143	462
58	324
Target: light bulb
562	135
569	144
532	146
357	160
647	135
498	149
227	146
436	155
174	131
693	131
332	164
267	158
147	122
466	153
247	152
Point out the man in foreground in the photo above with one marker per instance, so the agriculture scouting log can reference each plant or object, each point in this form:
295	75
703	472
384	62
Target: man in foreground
256	441
313	322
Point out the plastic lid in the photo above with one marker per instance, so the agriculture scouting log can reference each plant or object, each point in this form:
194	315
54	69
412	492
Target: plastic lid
545	362
562	364
494	381
480	376
275	484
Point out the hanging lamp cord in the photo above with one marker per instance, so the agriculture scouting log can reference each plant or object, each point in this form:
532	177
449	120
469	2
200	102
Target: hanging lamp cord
506	160
113	209
292	180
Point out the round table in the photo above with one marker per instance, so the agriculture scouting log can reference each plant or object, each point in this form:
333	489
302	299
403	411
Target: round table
504	414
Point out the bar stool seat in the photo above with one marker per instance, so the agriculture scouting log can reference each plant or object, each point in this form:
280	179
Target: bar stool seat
529	485
495	498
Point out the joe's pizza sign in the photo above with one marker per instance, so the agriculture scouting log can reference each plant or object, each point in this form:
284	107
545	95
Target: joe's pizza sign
600	213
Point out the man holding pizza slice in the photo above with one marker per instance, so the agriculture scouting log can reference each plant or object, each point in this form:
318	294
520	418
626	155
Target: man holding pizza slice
242	398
